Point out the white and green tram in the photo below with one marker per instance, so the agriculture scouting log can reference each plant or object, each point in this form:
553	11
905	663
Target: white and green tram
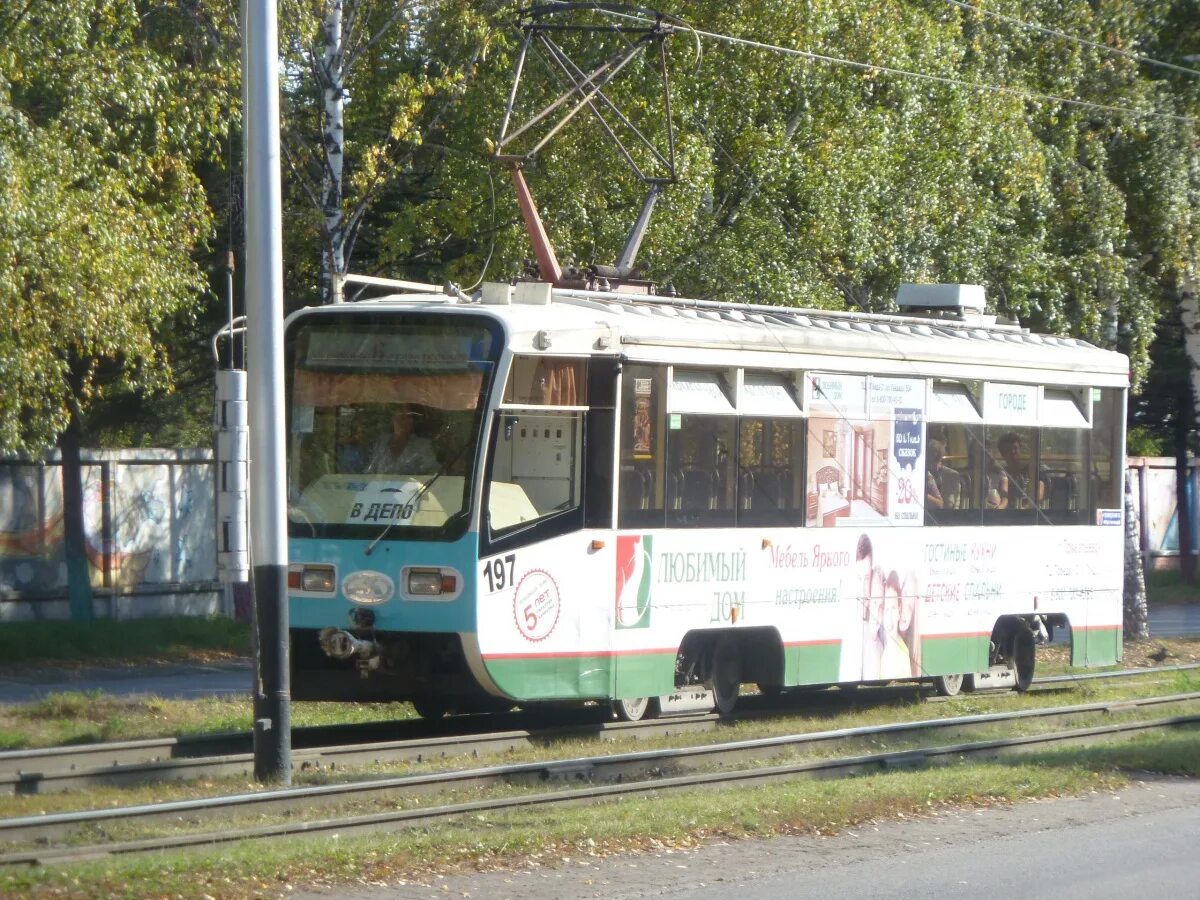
540	494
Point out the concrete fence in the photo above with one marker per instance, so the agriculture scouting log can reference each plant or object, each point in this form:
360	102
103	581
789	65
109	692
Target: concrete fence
150	535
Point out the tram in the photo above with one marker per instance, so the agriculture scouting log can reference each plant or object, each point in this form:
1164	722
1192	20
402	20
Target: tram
575	495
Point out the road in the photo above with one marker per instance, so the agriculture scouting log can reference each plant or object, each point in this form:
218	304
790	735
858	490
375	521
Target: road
1175	621
189	681
1137	843
180	681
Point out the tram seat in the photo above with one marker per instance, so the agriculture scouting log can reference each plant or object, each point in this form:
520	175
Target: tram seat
745	489
698	489
1062	493
966	491
675	489
636	488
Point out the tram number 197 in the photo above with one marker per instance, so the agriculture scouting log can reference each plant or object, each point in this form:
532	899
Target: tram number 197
499	572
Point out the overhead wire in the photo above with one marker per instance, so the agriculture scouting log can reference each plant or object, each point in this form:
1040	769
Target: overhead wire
1095	45
1020	93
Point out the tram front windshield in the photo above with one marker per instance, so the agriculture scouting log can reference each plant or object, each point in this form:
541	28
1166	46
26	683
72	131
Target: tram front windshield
384	420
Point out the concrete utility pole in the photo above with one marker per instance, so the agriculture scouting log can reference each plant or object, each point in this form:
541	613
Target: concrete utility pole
264	363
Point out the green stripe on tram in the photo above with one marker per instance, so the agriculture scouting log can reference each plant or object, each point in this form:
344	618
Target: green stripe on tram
588	676
1096	646
954	654
812	663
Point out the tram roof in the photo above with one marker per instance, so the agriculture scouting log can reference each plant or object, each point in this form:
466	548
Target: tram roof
665	329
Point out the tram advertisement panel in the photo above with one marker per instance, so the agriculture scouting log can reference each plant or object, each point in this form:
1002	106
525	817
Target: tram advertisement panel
866	448
849	603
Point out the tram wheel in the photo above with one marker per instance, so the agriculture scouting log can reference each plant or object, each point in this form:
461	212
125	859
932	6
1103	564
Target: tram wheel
1023	659
726	675
635	709
948	685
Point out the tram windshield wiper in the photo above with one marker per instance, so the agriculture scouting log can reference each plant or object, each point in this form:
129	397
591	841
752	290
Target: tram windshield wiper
420	495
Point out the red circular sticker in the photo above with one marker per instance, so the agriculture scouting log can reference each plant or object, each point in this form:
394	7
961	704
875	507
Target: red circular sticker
536	605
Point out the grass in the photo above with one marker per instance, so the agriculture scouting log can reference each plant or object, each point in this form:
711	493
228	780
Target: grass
81	717
154	639
802	721
1166	587
546	837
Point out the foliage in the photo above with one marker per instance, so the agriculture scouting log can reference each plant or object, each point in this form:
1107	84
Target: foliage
807	183
102	121
800	181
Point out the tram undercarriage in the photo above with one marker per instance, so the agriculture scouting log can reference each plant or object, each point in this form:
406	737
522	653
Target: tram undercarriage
426	668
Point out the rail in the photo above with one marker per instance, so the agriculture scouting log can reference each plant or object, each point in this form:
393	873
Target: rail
635	773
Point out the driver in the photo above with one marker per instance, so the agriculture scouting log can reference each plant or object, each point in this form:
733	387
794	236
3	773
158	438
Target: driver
402	452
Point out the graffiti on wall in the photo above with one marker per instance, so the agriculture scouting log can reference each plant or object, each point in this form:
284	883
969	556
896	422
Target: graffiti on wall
148	519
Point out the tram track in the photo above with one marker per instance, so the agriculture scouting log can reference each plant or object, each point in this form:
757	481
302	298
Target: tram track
48	838
59	769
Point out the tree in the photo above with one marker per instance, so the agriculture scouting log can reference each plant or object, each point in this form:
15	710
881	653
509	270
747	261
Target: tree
343	157
99	132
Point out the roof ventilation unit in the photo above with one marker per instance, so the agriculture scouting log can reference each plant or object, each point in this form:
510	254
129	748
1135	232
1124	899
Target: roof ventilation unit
949	300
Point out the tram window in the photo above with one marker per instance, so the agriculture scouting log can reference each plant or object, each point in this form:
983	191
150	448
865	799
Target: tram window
1014	483
599	444
769	468
1063	464
1106	480
534	474
547	381
641	498
954	474
700	470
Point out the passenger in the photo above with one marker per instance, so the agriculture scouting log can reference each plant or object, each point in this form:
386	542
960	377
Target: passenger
933	468
402	452
995	484
1016	470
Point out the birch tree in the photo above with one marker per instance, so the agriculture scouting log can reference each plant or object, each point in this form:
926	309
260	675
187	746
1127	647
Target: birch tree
378	87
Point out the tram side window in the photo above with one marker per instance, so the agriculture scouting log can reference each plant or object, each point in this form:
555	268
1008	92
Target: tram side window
547	381
1106	479
954	474
1063	464
769	468
641	498
536	468
1015	484
700	470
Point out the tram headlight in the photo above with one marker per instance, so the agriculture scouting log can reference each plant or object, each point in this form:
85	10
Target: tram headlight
424	581
313	579
431	583
368	587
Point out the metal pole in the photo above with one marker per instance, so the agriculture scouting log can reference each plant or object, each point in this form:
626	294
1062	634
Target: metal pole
264	358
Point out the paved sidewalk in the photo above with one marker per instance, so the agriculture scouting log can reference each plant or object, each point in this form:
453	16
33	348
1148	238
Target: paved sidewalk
177	680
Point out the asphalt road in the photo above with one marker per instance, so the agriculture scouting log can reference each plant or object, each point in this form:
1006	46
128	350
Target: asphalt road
1138	843
172	681
189	681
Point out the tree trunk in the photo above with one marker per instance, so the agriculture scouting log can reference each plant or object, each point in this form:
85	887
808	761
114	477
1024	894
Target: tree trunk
332	75
1137	621
79	581
1184	421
